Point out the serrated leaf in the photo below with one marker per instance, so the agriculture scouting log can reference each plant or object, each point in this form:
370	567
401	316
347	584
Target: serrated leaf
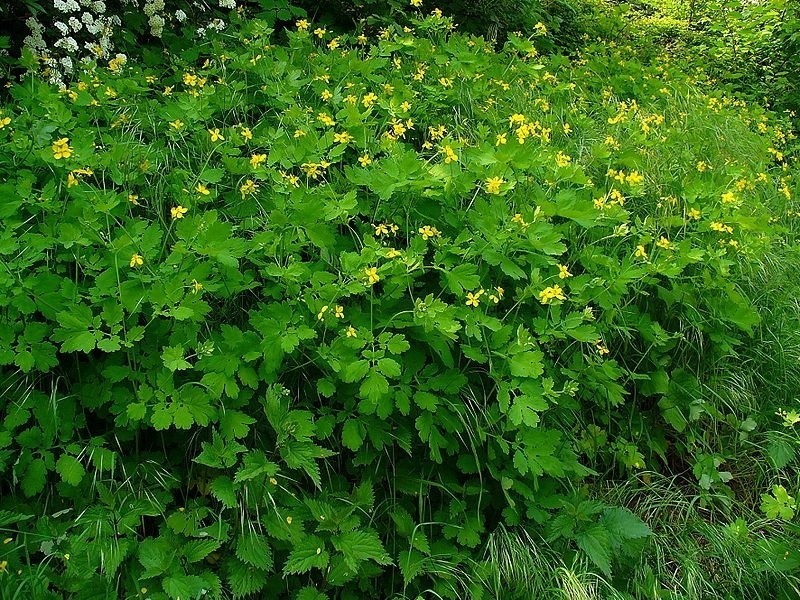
222	489
309	554
183	587
243	579
197	550
358	546
254	549
596	543
623	524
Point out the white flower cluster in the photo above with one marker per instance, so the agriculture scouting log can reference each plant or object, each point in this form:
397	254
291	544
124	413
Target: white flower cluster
82	31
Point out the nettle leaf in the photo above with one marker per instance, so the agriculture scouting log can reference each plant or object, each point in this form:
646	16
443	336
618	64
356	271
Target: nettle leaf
308	554
254	549
222	488
183	587
596	543
624	525
197	550
243	579
255	464
310	593
358	546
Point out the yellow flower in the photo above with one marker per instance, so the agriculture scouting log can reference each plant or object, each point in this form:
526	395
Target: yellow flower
392	253
601	348
72	180
446	82
246	133
372	275
728	198
474	300
562	160
61	149
350	99
381	229
351	331
563	272
289	520
664	243
4	121
133	199
493	185
326	95
322	312
549	294
216	136
416	3
320	32
325	119
634	178
500	139
364	160
640	252
338	312
449	155
428	232
176	124
201	189
405	106
362	39
333	44
257	160
342	138
177	212
302	25
248	187
694	214
369	100
196	286
136	261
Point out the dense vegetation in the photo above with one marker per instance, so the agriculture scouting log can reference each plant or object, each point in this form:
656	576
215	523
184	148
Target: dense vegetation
338	302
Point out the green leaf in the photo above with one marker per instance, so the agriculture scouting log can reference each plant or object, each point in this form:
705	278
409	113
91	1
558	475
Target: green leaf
243	579
309	554
33	481
235	424
173	358
527	364
358	546
374	386
596	543
70	469
75	328
197	550
353	434
310	593
183	587
624	525
222	489
254	549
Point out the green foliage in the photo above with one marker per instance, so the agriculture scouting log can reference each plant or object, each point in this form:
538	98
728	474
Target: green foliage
317	317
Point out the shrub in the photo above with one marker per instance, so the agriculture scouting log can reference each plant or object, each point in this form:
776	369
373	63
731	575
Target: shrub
317	319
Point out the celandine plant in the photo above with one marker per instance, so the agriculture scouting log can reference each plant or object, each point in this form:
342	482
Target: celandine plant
318	319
